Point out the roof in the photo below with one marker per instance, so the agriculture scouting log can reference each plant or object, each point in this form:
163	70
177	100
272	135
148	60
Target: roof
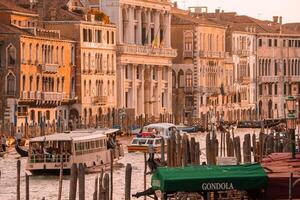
10	5
9	29
210	178
160	125
78	135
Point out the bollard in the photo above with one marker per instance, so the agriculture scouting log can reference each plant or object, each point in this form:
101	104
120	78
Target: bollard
128	172
106	186
100	184
192	150
95	194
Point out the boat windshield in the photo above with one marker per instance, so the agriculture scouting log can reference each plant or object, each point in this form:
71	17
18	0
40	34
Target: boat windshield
50	151
150	141
157	141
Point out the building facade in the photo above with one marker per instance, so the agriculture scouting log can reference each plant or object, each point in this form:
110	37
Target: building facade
144	54
96	72
201	68
37	69
278	68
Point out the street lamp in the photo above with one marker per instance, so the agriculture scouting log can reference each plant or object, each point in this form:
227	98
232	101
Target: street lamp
291	122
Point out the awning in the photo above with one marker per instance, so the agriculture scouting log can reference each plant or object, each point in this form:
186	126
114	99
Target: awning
210	178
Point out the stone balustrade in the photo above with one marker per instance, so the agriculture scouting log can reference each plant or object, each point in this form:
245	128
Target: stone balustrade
146	50
50	68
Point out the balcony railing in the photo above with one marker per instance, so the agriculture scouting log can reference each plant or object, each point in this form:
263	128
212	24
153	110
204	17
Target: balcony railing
50	68
24	95
268	79
32	95
100	100
146	50
188	54
212	54
52	96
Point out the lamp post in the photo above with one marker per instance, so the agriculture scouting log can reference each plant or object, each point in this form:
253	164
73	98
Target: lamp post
291	122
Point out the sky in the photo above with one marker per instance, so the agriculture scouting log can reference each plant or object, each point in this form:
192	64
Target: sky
261	9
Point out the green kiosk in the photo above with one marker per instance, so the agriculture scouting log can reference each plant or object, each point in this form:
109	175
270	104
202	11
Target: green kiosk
205	180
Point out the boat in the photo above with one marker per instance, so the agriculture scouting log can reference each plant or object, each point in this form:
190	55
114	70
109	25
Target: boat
22	152
145	145
259	124
90	147
150	136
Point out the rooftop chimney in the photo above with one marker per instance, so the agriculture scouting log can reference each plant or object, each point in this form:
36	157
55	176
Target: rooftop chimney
175	4
280	20
275	19
217	10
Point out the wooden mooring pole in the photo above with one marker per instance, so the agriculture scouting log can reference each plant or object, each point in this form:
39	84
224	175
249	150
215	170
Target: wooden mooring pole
18	178
81	179
145	173
73	182
27	186
111	173
60	178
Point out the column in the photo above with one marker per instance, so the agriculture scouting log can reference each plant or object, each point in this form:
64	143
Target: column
168	30
134	88
142	95
148	31
130	29
139	27
120	29
157	28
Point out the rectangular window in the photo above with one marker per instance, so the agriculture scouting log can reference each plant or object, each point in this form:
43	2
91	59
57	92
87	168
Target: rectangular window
98	36
270	89
290	43
152	34
275	43
284	89
283	43
107	37
85	37
113	37
259	42
270	42
126	99
275	89
276	68
162	100
260	89
90	38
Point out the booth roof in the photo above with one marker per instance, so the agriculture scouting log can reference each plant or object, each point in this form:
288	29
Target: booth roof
209	178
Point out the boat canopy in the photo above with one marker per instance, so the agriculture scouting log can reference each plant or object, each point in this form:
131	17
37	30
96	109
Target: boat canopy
210	178
77	135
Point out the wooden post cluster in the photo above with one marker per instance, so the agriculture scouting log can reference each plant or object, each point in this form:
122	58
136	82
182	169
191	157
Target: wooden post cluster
182	152
128	173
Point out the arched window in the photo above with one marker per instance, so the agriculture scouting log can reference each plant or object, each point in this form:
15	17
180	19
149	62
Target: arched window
62	56
112	63
63	84
113	88
188	41
101	64
189	79
107	63
30	53
10	84
284	68
24	82
90	88
30	83
108	88
84	88
11	55
83	62
89	62
180	79
57	85
37	53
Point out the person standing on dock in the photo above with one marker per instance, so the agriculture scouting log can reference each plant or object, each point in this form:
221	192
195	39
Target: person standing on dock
19	136
3	142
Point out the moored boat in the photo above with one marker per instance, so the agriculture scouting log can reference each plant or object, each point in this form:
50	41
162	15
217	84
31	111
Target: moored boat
145	144
90	147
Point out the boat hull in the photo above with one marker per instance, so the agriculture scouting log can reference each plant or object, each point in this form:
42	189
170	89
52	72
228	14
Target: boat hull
143	149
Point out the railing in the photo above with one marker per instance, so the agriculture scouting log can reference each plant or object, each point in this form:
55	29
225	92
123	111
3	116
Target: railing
32	95
212	54
49	158
54	96
38	95
102	100
146	50
50	68
268	79
24	95
188	54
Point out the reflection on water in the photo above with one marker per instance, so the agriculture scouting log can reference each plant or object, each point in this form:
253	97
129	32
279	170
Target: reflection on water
47	186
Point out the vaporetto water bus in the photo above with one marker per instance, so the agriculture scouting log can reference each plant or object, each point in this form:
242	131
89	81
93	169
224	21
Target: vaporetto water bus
90	147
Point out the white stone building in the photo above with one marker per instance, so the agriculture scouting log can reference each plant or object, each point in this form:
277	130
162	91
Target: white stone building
144	54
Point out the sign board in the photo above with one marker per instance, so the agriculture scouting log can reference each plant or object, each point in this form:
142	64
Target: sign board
226	161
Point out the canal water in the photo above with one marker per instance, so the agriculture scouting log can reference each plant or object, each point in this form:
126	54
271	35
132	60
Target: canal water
47	186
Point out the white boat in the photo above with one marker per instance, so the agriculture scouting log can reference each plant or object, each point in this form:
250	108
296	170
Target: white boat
90	147
164	130
149	138
145	145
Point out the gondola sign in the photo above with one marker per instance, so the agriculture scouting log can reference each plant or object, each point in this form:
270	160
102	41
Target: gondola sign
217	186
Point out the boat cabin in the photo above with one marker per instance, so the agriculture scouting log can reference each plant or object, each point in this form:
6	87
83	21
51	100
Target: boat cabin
145	144
83	146
159	129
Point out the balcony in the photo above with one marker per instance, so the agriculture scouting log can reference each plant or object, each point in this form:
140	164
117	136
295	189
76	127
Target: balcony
212	54
38	95
188	90
24	95
50	68
52	96
100	100
187	54
243	53
291	78
146	51
268	79
32	95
